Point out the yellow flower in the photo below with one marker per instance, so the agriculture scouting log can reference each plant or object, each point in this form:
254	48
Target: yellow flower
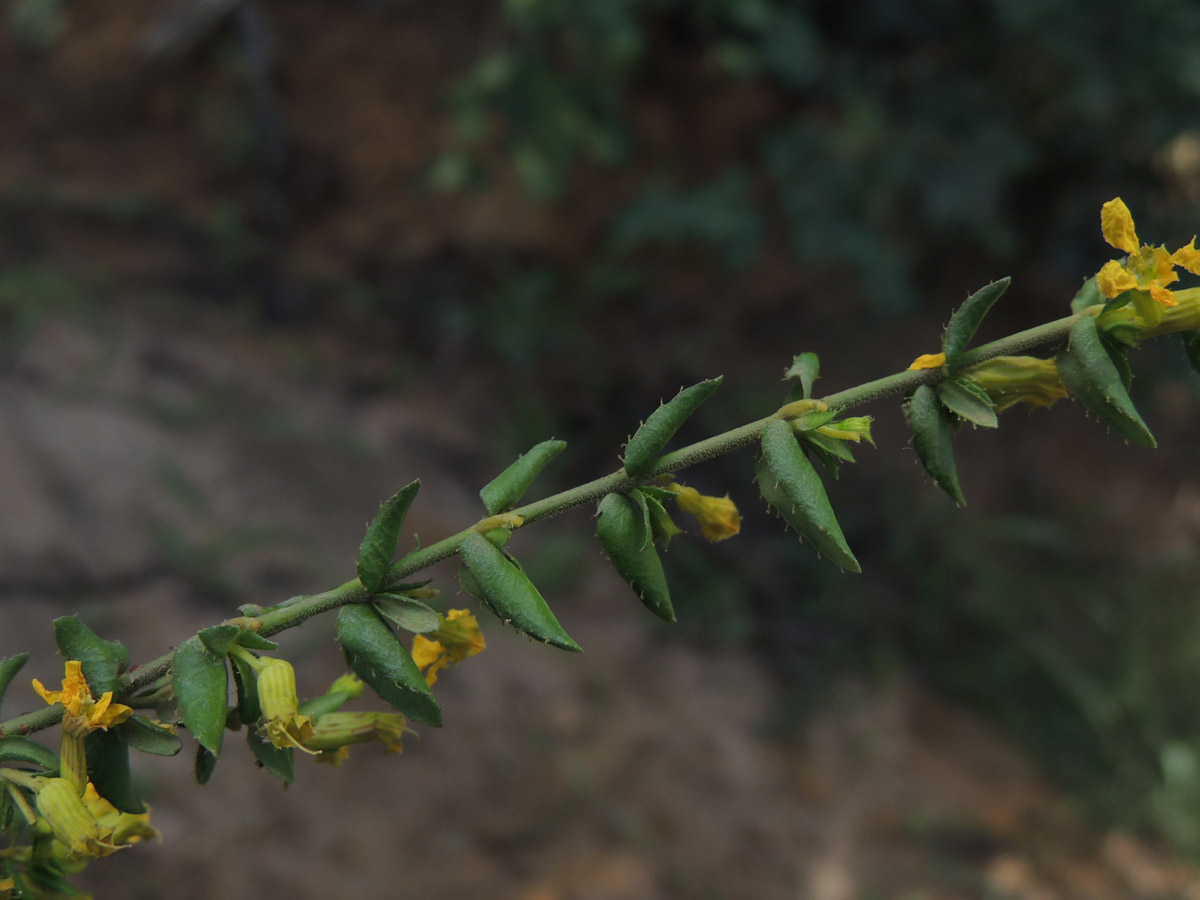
853	428
718	516
77	702
458	636
1009	380
281	722
1147	269
127	828
61	810
928	361
335	731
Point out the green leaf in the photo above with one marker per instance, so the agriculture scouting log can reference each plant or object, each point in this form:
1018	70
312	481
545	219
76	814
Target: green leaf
506	489
201	691
22	750
142	734
252	640
626	539
103	661
8	671
814	419
108	770
1119	354
790	484
510	594
805	367
1089	295
835	447
376	656
662	526
219	638
967	318
407	613
660	426
379	545
1090	374
276	760
931	428
968	401
245	682
204	766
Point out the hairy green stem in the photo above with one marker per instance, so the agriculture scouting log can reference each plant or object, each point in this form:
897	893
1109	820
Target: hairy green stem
153	675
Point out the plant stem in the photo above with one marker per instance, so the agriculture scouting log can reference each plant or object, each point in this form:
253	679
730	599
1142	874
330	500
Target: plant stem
280	618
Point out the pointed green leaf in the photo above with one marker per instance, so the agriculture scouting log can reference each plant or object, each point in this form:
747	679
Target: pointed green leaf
931	428
219	638
968	401
790	484
26	751
245	683
201	691
405	612
276	760
510	594
1090	374
379	545
108	770
967	318
626	539
835	447
376	656
805	367
506	489
252	640
103	661
142	734
660	426
8	671
662	526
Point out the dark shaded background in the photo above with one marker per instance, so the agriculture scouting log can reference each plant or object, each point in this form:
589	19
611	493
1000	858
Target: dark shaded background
263	263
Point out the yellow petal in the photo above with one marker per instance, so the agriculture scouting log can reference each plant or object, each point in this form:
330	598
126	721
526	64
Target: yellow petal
104	713
1188	257
1117	224
425	651
718	516
1114	279
1163	296
928	361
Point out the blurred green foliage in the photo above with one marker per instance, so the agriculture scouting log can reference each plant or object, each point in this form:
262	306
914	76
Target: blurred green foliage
905	130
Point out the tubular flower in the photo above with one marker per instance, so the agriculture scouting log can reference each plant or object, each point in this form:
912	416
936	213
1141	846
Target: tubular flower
854	428
335	731
63	812
457	637
718	516
80	712
1009	380
281	724
1147	269
127	828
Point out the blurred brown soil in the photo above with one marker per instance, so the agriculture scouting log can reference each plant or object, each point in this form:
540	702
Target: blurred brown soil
162	461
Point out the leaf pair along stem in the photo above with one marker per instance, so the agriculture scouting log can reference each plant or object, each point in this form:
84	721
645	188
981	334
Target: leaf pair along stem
285	616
